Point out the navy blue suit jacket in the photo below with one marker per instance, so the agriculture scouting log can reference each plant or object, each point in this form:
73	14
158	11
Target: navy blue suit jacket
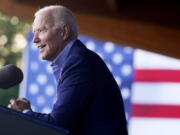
88	98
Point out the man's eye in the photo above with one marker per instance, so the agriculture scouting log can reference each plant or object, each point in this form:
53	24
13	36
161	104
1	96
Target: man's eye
39	30
43	30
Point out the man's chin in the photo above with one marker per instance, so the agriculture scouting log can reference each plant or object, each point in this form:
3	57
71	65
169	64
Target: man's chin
45	58
42	57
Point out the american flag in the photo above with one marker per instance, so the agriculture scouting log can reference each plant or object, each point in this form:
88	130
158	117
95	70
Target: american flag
149	83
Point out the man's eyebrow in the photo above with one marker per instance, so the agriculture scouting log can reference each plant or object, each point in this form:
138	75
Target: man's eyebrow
36	29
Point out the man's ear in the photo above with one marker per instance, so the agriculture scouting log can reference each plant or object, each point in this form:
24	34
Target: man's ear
66	31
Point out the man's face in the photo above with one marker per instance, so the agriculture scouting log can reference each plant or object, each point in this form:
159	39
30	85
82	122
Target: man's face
47	39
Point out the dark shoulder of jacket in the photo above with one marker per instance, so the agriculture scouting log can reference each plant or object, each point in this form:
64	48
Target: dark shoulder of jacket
81	57
79	49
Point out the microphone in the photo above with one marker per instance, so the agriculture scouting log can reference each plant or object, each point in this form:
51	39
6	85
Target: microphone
10	75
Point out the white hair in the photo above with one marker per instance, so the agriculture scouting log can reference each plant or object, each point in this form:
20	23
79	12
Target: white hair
62	15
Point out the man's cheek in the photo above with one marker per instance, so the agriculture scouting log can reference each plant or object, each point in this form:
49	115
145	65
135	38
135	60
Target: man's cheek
41	36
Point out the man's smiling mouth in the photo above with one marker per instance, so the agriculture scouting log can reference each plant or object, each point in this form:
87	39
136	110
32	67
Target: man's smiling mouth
41	46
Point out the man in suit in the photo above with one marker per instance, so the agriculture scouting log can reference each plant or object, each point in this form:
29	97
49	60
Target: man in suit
89	101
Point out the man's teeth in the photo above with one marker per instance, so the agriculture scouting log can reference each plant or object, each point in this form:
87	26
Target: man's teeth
42	46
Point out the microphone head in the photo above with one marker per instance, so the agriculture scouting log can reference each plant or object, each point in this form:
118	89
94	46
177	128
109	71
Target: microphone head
10	75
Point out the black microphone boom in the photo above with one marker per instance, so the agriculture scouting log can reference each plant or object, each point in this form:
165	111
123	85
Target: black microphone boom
10	75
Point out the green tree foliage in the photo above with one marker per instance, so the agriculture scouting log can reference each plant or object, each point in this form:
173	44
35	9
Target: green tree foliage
12	42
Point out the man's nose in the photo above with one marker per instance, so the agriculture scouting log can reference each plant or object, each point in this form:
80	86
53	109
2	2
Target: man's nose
36	38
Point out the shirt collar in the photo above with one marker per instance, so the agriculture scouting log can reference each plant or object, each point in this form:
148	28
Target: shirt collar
57	63
59	59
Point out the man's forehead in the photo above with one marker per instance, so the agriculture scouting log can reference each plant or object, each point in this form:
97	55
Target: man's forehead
43	19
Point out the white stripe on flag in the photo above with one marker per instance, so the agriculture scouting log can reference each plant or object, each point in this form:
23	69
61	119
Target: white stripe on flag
156	93
149	60
154	126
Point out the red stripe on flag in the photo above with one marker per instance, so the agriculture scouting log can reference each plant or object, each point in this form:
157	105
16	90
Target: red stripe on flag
160	111
147	75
